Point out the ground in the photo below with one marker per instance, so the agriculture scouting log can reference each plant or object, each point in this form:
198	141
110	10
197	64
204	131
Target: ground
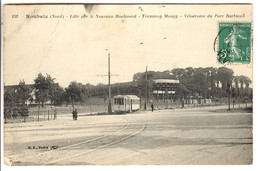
208	135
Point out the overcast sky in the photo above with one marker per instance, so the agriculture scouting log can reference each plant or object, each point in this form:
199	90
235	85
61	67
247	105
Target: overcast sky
75	49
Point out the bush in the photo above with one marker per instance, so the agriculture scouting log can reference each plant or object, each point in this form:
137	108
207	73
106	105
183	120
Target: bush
23	111
15	112
7	112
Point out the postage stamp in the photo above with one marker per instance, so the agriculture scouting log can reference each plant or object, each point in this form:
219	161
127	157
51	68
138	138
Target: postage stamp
234	43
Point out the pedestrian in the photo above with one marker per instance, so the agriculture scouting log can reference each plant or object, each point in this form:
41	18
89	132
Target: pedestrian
73	114
76	114
152	107
182	105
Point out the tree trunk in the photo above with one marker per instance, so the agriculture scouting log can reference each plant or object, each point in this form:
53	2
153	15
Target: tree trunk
73	105
39	111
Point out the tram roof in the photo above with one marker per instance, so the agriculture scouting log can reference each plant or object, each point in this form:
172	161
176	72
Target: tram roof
127	96
171	81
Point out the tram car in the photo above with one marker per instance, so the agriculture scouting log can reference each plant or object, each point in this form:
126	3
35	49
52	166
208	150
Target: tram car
126	103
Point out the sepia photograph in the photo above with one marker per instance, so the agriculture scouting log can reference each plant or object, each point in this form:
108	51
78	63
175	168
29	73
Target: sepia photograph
127	84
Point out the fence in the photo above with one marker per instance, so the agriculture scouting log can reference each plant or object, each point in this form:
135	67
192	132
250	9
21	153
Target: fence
96	106
171	103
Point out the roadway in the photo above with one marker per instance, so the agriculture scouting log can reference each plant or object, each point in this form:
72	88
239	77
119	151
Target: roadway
208	135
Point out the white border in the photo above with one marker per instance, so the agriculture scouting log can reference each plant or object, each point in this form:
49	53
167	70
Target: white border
256	85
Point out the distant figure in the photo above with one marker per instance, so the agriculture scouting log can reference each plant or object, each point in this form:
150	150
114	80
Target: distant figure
76	114
182	104
73	114
152	107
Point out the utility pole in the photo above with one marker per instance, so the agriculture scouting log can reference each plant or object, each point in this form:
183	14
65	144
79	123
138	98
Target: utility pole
38	111
146	90
229	94
90	94
109	87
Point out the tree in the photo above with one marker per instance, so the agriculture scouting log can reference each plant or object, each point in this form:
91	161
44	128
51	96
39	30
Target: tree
56	94
211	74
44	88
244	84
23	93
76	92
23	111
84	94
178	74
15	101
236	81
140	80
9	102
225	76
188	80
200	81
244	80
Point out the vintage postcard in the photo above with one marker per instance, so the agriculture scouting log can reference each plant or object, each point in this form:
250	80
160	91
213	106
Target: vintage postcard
128	84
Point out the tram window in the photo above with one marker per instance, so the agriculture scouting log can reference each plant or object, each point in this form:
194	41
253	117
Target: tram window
135	101
119	101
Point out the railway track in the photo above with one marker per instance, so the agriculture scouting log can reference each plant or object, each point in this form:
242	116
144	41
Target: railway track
85	147
104	143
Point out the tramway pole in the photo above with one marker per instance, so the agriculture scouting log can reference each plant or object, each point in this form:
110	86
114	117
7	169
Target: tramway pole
146	90
109	87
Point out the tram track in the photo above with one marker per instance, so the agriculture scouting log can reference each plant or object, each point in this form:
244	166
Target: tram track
74	150
148	138
104	145
20	159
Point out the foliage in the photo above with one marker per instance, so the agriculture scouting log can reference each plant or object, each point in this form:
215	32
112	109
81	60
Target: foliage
225	76
47	90
57	93
15	101
193	82
76	92
23	93
9	102
206	82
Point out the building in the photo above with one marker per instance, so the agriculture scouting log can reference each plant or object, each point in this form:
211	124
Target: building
164	88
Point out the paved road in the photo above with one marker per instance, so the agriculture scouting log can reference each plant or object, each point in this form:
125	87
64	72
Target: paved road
181	136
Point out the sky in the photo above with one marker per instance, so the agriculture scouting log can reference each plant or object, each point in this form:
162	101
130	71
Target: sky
74	49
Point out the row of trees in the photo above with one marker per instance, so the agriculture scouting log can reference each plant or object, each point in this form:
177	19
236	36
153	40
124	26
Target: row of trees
43	91
211	82
205	82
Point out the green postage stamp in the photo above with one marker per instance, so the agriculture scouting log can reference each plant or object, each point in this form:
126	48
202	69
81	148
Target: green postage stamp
234	43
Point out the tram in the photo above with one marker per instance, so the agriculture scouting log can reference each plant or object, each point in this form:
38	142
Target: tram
126	103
